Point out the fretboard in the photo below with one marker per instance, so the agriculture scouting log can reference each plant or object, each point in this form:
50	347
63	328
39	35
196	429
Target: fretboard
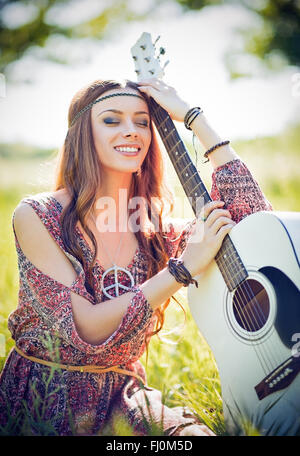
227	258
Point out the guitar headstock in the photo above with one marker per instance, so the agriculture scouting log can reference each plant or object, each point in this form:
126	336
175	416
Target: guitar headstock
147	65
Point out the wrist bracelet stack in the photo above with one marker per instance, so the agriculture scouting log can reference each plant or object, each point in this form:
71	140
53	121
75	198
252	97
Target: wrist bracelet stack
180	272
191	116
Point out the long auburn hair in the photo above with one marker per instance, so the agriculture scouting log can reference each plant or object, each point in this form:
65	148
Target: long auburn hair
78	171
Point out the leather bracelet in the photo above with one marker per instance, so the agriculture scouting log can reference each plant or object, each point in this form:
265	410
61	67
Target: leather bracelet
180	272
191	116
223	143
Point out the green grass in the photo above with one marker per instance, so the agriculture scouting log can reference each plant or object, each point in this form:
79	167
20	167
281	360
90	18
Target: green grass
180	365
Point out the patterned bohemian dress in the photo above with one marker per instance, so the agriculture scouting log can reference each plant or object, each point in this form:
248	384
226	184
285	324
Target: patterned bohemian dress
83	403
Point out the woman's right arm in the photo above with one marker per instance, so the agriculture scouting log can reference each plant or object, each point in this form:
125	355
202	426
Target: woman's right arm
95	323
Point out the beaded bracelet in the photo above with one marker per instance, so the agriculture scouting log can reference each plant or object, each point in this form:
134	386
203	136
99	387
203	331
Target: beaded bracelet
191	116
180	272
223	143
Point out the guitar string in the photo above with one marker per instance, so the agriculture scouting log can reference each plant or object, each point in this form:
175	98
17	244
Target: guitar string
274	362
257	308
248	323
264	361
245	319
248	319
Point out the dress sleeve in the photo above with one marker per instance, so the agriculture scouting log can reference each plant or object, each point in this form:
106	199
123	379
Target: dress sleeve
232	183
50	301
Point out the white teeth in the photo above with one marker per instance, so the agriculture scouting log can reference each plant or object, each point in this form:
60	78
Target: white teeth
127	149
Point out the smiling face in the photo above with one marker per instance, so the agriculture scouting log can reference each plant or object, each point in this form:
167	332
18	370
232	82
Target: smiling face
121	131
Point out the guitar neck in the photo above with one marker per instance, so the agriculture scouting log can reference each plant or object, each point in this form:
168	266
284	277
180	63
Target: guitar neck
192	184
227	259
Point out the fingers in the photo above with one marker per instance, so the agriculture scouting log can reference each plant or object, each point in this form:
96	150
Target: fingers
225	229
148	90
208	208
217	215
220	222
216	219
152	82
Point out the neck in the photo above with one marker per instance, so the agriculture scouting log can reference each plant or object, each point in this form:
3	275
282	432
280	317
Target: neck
112	198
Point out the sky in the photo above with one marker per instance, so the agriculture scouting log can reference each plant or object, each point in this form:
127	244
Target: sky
195	44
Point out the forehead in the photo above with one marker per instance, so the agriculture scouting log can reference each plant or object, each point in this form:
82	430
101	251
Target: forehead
120	102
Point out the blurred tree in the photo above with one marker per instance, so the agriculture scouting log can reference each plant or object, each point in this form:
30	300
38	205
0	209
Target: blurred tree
276	40
31	25
44	27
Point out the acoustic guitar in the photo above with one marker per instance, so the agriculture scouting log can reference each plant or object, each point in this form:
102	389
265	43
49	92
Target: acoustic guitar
247	305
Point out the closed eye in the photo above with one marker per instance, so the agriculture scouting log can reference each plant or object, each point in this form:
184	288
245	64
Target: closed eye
109	120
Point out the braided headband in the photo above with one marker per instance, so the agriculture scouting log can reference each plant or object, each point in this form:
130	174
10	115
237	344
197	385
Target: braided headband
101	99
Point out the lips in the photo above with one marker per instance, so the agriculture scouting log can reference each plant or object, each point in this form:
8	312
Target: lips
130	150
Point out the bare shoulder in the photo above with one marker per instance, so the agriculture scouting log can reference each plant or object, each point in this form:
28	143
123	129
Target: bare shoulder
25	215
27	224
39	246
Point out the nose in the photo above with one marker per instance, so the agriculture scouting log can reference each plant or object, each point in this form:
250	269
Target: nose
130	131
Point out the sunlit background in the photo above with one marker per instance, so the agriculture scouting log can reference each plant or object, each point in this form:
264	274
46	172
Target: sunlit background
197	43
238	60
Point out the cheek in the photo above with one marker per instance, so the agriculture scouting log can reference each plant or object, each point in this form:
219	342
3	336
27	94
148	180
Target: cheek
100	140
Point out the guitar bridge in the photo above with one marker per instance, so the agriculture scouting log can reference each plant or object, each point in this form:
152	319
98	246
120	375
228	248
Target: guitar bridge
279	378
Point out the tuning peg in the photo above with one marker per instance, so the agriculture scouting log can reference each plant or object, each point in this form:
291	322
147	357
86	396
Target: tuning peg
143	47
162	50
134	57
137	71
147	59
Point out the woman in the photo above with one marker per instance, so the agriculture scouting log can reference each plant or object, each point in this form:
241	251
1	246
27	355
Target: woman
73	309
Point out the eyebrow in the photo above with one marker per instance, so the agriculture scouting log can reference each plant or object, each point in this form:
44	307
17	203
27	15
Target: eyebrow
120	112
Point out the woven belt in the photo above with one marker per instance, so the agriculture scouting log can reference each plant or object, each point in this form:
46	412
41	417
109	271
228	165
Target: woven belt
89	368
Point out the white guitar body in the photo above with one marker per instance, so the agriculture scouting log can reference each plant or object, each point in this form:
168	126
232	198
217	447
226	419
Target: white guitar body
269	240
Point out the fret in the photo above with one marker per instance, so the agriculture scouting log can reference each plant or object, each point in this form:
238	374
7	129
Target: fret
228	257
189	164
190	183
233	269
196	187
191	177
225	255
231	276
235	264
175	145
169	134
202	195
180	157
162	124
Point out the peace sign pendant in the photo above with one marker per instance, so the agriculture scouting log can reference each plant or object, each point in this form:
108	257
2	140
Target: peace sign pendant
116	285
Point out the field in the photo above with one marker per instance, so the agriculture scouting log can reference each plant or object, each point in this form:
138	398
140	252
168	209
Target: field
180	364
